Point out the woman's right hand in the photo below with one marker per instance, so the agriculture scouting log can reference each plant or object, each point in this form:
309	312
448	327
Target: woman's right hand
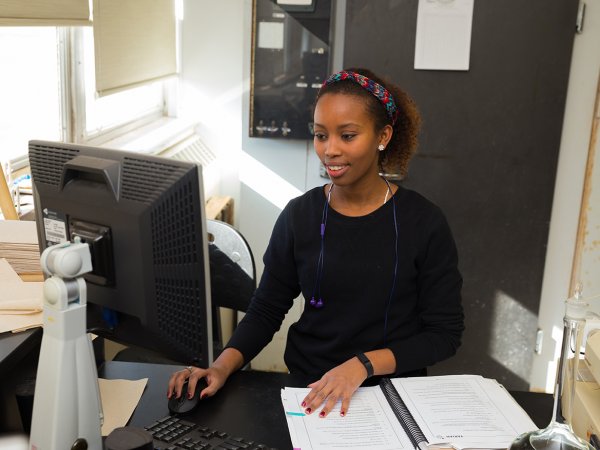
228	362
215	378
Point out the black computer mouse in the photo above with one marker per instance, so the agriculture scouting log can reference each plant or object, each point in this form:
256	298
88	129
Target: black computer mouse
183	404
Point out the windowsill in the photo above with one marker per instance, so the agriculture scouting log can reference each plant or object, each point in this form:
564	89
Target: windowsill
154	137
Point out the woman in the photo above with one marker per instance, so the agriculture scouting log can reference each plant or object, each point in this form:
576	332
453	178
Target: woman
376	262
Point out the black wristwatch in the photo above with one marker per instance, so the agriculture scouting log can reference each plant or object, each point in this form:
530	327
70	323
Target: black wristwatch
365	362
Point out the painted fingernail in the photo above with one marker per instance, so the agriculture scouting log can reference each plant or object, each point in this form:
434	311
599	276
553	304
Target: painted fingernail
190	395
303	404
322	414
203	396
308	410
342	413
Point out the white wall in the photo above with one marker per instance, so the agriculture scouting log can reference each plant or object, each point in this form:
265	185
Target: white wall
571	173
262	174
212	79
215	73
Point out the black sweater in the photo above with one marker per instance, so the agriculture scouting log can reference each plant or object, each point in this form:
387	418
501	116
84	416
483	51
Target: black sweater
424	318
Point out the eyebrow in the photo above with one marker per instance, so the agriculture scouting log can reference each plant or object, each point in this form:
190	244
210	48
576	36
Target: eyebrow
341	127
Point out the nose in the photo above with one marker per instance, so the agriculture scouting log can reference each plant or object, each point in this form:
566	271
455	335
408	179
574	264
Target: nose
332	148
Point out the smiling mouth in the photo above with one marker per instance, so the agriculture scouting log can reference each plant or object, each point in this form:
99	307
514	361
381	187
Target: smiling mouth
335	170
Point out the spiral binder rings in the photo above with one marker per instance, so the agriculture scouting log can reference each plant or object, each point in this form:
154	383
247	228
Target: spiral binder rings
404	416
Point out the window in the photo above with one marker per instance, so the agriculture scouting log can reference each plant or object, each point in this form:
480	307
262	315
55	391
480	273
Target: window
48	92
101	115
29	88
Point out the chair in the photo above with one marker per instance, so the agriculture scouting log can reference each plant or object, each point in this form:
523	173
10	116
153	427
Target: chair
232	274
232	283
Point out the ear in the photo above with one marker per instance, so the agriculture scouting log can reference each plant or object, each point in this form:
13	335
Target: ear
386	135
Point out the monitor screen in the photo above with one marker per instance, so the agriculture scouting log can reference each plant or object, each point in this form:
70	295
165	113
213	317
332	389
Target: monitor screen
144	219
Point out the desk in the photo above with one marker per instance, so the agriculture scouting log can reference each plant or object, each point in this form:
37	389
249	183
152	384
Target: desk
18	360
249	405
16	346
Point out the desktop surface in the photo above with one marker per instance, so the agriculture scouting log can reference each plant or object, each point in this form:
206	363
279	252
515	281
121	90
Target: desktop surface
16	346
249	405
18	360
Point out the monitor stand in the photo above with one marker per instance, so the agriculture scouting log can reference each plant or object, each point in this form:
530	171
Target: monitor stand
67	412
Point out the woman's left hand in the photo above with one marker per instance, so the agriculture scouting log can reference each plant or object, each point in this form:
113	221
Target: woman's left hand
339	383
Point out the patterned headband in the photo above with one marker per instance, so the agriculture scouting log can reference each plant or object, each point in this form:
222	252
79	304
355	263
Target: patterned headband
381	93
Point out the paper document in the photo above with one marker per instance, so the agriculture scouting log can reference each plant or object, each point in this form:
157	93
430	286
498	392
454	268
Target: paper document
119	400
460	411
16	323
270	35
21	298
443	40
463	410
21	303
370	423
7	273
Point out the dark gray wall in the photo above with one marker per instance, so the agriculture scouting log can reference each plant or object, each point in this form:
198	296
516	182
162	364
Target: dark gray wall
488	155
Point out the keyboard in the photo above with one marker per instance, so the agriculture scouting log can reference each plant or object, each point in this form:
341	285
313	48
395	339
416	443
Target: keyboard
174	433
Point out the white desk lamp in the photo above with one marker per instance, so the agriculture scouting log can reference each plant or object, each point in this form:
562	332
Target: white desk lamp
67	413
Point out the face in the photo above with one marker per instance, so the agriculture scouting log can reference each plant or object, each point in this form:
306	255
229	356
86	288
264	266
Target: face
346	140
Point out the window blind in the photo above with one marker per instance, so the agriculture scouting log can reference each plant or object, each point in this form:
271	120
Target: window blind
134	42
44	12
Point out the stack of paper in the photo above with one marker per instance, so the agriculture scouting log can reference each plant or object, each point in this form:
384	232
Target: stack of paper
19	245
20	303
458	411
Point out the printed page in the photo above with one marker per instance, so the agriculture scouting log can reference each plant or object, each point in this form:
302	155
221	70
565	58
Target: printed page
369	424
443	37
466	411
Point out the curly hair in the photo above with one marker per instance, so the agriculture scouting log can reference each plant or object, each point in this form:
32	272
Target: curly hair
394	160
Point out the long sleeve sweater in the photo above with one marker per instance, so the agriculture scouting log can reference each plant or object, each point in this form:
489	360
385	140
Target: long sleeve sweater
375	296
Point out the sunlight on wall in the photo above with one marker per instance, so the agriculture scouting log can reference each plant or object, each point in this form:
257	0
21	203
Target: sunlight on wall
218	112
511	340
266	183
232	94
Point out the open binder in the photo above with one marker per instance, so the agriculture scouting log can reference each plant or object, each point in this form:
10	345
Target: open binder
459	411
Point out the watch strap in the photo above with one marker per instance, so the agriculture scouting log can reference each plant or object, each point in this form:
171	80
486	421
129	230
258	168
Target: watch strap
365	362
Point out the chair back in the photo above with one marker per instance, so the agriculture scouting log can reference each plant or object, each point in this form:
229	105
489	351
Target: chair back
232	271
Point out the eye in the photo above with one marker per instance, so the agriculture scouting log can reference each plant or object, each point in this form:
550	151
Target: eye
320	136
348	136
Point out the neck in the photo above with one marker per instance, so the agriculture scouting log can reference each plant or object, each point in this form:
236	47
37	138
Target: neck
357	202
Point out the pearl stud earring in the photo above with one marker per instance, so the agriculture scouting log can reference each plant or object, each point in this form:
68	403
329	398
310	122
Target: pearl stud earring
381	147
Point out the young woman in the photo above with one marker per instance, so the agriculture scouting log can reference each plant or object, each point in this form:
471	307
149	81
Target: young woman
376	262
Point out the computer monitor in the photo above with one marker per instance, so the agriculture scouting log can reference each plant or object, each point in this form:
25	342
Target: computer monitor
143	217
